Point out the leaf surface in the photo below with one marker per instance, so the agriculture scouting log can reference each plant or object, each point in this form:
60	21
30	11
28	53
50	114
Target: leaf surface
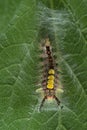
22	24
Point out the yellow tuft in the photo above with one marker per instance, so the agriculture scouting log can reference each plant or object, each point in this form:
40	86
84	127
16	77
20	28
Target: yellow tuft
50	81
51	77
50	86
51	71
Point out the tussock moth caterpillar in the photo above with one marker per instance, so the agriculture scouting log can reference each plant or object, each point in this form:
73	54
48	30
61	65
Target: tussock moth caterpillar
50	84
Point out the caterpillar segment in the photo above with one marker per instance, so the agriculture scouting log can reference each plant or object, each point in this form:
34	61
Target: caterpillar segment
49	85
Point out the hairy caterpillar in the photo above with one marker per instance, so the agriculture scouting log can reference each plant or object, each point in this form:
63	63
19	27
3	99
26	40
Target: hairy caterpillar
50	84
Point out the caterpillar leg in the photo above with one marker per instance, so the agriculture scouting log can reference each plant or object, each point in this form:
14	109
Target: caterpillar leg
42	102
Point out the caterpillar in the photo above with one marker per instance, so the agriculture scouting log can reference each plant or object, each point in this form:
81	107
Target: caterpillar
49	83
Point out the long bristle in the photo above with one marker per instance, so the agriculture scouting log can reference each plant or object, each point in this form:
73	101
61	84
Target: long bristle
47	42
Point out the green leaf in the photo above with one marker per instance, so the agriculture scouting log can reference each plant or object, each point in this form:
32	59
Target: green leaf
23	23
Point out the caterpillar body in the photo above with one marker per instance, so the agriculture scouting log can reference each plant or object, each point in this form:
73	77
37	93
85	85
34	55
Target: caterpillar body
50	77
